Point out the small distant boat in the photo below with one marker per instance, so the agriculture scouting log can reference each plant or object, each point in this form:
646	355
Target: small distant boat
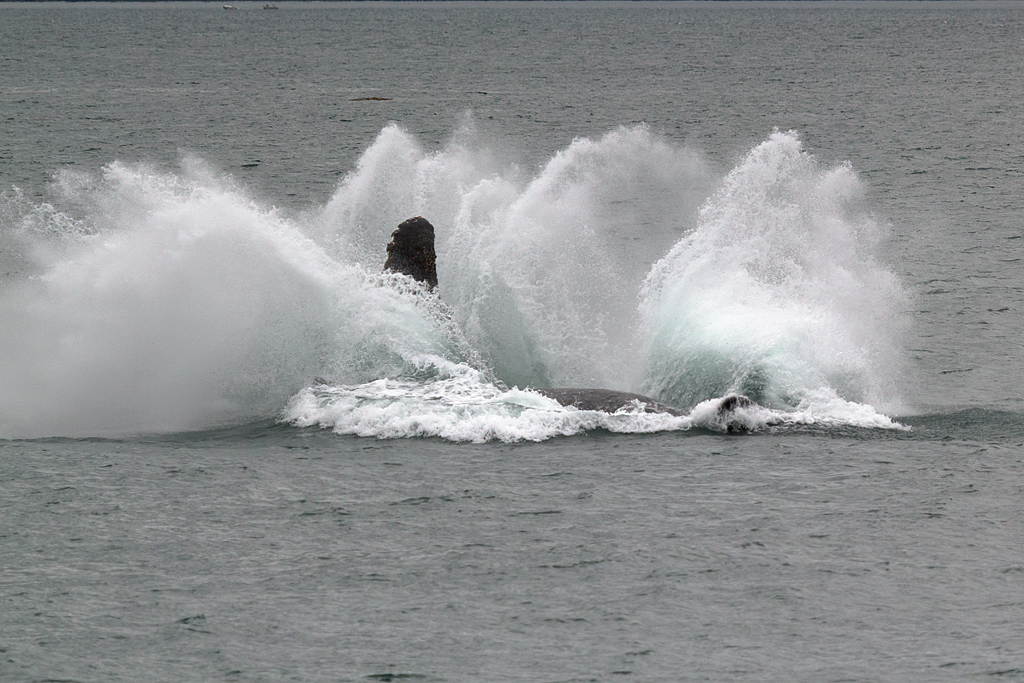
230	7
269	6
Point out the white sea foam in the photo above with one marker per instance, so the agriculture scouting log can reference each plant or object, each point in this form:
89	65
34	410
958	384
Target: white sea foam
459	405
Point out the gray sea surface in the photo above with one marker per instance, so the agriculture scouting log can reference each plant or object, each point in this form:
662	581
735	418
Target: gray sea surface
258	550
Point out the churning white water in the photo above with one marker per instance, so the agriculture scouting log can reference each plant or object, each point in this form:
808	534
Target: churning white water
144	301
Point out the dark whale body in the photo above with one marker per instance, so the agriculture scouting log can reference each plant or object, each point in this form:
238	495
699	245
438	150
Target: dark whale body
411	252
605	400
609	401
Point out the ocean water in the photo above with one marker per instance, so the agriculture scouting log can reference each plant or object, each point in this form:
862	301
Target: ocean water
232	449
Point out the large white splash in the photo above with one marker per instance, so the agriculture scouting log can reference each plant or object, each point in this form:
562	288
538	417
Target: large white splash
144	301
542	271
777	293
774	291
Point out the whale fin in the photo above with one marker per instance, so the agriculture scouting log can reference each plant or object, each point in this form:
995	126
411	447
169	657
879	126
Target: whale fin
411	251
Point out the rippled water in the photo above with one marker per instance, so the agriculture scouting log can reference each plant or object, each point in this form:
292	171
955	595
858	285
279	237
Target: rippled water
202	200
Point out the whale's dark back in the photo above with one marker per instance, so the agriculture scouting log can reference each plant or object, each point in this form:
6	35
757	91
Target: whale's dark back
411	251
605	400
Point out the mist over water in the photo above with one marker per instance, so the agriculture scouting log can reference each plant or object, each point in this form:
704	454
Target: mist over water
146	301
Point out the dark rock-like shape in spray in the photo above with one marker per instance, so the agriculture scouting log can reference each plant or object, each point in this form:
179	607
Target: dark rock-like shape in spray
411	251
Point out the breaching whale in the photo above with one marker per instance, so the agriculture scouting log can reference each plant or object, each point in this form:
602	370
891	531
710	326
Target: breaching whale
411	252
